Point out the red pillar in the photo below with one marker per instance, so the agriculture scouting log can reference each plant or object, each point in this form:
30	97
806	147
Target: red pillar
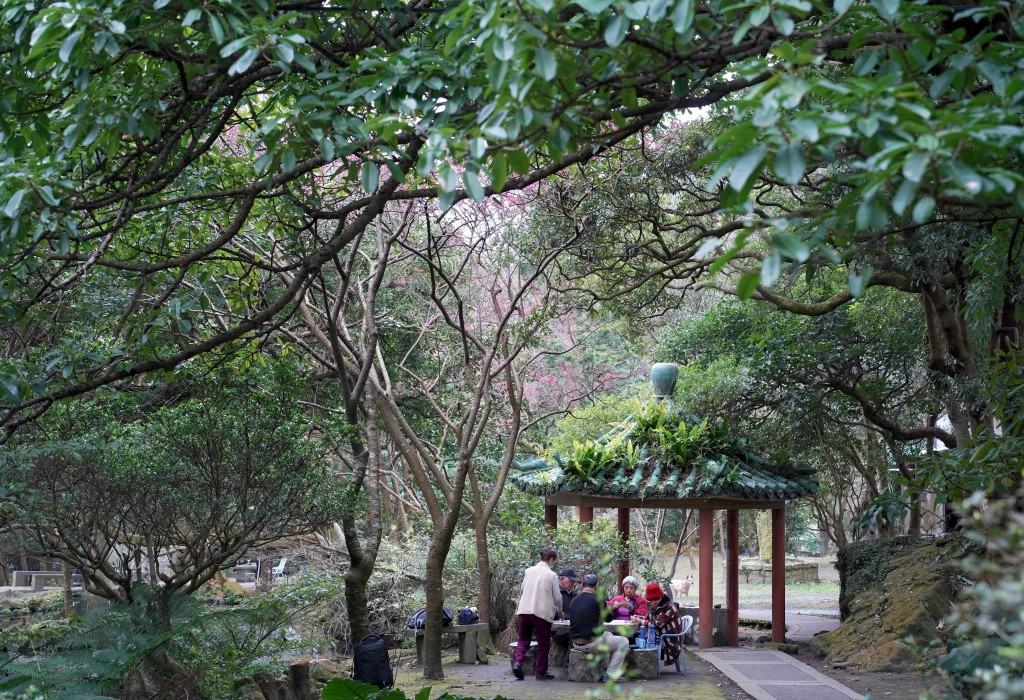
624	538
732	577
551	516
706	572
778	575
586	514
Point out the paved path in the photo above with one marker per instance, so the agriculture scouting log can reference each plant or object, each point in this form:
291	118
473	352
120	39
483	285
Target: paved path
772	675
800	626
766	674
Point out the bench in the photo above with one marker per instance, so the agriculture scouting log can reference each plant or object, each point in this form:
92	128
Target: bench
467	640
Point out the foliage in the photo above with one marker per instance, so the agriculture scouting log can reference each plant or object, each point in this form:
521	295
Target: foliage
987	642
223	468
112	639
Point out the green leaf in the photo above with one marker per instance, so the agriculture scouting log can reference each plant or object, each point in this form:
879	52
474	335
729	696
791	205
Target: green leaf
68	46
285	52
914	167
594	6
473	186
887	9
747	284
745	166
191	17
841	6
771	268
519	161
859	281
682	16
369	177
615	31
789	163
499	171
545	62
12	391
14	203
923	210
904	195
243	62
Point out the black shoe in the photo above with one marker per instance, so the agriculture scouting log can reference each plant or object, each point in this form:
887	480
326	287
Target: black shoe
544	677
518	670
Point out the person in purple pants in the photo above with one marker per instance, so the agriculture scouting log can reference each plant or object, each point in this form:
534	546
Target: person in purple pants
539	603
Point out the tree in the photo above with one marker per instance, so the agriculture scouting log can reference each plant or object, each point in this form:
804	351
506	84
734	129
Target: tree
148	142
187	487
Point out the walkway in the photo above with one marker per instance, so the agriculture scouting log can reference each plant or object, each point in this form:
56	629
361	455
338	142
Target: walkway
773	675
767	674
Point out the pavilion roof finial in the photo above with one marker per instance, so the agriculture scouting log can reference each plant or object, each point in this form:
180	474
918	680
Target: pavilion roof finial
663	377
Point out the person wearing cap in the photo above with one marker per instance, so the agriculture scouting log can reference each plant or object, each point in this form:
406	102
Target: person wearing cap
567	587
666	620
540	602
629	606
587	632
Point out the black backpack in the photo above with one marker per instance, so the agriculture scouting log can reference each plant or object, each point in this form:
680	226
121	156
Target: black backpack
418	619
372	664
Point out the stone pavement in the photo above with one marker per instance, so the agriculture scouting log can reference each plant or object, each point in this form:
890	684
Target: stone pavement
772	675
800	625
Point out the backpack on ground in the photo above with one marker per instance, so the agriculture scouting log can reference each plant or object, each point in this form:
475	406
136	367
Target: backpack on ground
371	663
418	619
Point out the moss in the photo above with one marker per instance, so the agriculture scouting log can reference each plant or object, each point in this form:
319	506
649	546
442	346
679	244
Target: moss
893	594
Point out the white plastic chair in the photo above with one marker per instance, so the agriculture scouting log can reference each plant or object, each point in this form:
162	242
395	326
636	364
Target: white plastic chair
687	621
279	569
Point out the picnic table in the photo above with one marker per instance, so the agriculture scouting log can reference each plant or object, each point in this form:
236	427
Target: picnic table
467	640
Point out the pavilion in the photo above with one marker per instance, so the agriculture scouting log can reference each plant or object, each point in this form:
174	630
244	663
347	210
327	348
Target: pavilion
638	466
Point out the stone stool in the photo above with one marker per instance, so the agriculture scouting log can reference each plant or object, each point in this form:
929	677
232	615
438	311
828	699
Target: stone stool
585	666
528	658
643	663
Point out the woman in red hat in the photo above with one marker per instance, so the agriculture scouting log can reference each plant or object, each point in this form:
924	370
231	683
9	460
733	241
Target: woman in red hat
666	620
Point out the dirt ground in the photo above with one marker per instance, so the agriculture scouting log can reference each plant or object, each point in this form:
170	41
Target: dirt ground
891	686
704	682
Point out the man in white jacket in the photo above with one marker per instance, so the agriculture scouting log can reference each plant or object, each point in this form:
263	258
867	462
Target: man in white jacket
539	603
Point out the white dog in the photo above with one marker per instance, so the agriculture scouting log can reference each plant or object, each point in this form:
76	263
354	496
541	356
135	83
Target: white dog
681	588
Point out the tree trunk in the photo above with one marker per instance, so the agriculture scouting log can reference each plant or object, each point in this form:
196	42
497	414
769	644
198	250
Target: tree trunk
69	604
764	535
363	554
437	554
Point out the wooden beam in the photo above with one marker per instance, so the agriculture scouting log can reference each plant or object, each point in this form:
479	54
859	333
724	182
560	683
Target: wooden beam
568	498
779	575
706	569
586	514
732	577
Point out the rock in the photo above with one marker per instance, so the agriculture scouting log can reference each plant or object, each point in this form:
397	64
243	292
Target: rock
267	685
323	670
585	667
643	662
246	689
299	684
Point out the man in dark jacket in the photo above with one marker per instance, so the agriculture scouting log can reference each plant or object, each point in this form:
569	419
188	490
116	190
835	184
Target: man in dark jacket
587	631
567	587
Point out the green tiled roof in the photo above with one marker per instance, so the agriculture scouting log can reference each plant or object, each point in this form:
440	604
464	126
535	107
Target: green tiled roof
728	470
